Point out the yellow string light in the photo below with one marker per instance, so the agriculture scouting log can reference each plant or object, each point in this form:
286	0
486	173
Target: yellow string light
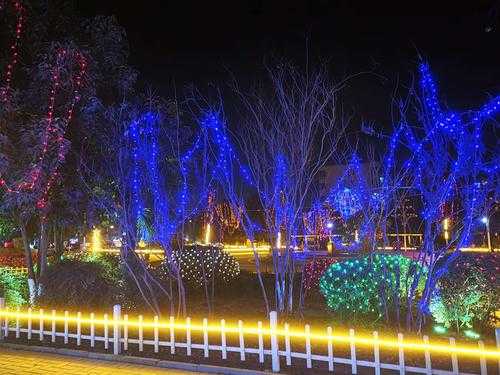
235	329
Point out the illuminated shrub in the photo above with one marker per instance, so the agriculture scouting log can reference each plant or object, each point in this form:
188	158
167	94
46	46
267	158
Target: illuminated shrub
199	263
365	286
469	293
313	271
14	288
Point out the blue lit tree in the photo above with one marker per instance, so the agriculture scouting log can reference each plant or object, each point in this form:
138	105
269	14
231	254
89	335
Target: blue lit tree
444	155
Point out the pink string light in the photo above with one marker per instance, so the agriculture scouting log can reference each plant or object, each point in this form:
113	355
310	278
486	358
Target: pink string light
51	134
14	50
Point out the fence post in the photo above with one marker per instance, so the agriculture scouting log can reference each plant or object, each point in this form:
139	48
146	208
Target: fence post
2	306
242	340
376	352
205	338
401	354
497	336
261	342
482	359
223	338
354	367
40	325
172	335
273	325
188	336
156	334
454	358
428	363
117	312
307	330
288	347
330	349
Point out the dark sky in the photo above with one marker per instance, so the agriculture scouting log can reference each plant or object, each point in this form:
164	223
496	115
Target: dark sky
195	41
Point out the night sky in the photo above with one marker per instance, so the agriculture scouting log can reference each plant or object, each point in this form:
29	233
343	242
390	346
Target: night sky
196	42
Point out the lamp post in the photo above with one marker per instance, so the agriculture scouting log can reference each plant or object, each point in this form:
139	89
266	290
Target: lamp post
486	222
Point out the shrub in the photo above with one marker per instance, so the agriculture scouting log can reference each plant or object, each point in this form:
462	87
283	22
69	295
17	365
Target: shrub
13	287
7	229
367	285
469	293
313	271
79	284
199	263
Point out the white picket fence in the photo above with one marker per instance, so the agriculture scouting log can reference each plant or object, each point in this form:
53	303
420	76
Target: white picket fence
121	332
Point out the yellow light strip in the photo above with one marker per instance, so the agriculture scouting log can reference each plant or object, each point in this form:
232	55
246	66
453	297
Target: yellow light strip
368	341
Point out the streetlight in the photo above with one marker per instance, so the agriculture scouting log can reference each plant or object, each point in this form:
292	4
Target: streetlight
329	245
446	228
486	222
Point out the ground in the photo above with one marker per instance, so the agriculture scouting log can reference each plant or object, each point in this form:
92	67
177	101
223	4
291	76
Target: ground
20	362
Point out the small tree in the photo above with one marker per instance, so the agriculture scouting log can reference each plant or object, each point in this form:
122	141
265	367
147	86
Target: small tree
290	129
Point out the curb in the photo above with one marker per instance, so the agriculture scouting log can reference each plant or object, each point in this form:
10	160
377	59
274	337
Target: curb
151	362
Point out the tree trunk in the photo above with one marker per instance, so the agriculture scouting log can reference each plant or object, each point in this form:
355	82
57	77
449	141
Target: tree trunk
27	252
43	248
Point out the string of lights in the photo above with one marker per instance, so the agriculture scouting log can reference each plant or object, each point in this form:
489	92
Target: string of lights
51	134
5	90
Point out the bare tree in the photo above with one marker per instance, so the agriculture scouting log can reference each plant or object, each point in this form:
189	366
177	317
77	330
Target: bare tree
290	128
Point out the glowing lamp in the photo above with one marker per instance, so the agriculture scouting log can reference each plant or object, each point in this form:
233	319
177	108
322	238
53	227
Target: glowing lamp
207	234
484	220
96	240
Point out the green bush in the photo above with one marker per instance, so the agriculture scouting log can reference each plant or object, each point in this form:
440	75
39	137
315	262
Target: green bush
14	288
7	229
469	293
369	286
79	284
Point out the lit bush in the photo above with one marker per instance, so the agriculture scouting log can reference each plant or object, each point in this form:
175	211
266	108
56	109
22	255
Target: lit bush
313	271
13	287
203	263
469	293
368	285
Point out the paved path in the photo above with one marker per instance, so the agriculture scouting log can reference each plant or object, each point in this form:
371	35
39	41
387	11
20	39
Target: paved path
20	362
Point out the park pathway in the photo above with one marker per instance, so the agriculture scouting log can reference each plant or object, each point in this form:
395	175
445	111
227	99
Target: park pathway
20	362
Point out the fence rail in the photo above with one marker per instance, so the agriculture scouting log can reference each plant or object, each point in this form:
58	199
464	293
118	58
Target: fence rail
269	341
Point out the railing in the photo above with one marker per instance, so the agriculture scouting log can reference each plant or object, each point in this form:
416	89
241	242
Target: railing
280	344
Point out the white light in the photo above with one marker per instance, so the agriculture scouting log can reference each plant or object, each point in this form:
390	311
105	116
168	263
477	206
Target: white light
484	220
329	225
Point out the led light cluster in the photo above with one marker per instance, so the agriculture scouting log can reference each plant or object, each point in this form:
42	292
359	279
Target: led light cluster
313	271
202	264
355	286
